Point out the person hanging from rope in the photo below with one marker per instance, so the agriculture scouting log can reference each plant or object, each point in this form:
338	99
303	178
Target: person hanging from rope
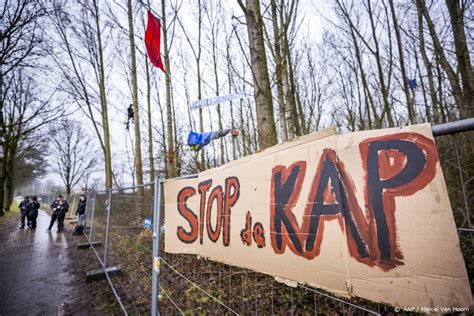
129	115
196	141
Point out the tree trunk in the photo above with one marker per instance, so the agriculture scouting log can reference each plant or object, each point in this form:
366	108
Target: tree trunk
462	54
2	139
216	77
444	63
444	111
383	87
163	128
150	131
229	78
291	101
428	113
177	161
9	175
198	64
8	187
301	114
429	68
279	72
406	90
4	176
151	158
262	89
103	104
243	129
369	100
136	114
170	167
2	182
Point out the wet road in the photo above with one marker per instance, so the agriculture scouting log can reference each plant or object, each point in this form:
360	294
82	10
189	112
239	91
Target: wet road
33	270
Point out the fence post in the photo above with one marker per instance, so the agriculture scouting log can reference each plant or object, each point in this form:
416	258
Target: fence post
109	210
156	246
94	195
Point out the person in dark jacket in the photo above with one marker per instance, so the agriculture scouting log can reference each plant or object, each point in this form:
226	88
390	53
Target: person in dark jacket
59	208
32	208
129	115
23	211
81	215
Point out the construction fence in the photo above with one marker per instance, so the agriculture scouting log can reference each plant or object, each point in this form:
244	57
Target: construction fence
124	231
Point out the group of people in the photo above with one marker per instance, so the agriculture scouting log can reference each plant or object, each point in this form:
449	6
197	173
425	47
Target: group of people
59	208
29	211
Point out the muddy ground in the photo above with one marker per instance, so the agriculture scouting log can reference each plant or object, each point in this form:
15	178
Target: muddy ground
40	270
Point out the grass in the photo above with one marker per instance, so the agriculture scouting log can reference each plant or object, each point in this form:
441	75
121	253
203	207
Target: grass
14	212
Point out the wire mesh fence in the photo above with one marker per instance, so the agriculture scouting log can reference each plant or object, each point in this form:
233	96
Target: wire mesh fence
456	158
129	245
99	223
190	285
90	206
122	221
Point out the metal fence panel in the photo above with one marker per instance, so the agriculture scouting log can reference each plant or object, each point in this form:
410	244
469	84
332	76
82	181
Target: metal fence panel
99	223
158	282
129	246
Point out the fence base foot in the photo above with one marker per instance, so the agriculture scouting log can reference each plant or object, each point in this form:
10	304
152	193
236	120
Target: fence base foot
100	274
88	245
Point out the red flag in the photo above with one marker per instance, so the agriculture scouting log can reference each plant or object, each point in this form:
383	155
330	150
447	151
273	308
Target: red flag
152	41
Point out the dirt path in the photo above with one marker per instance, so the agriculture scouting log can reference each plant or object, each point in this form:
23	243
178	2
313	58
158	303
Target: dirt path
36	271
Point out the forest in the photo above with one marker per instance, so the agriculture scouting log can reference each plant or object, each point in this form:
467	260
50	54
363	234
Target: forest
70	69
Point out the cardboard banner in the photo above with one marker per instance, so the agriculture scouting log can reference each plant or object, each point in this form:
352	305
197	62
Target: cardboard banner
364	214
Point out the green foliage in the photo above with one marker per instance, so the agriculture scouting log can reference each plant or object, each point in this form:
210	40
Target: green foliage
14	212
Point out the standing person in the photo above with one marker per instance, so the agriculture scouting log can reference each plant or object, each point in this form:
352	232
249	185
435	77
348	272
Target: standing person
59	208
32	208
23	211
54	212
64	207
81	215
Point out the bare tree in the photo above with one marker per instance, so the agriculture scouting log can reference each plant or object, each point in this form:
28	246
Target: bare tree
24	114
456	14
71	153
20	38
462	102
103	101
82	67
196	49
